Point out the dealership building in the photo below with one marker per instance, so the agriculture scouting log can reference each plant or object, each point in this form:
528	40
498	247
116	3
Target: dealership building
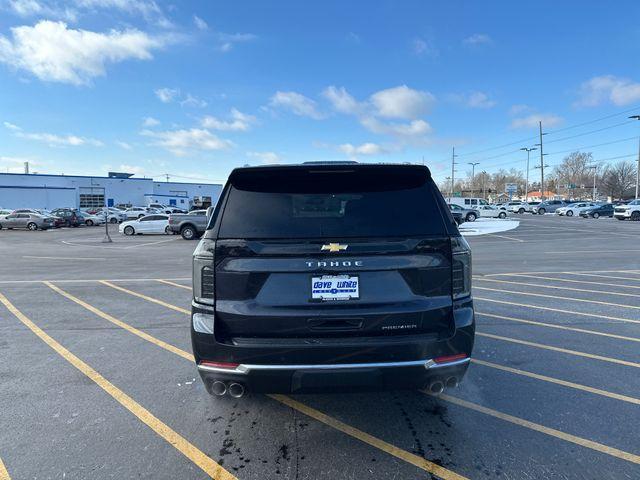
18	190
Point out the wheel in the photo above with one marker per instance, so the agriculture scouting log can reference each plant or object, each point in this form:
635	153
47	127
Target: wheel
569	213
635	216
89	223
140	216
0	226
113	220
541	211
502	215
188	232
167	230
521	211
471	217
128	230
32	226
596	215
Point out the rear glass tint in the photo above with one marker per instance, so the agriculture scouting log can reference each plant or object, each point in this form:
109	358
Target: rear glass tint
344	203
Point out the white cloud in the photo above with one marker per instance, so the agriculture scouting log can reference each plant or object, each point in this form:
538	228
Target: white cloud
341	100
229	40
425	48
167	95
16	164
123	145
200	23
240	122
53	52
192	101
608	89
531	121
135	169
363	149
150	122
478	39
296	103
415	128
268	158
52	139
480	100
181	142
11	126
402	102
519	108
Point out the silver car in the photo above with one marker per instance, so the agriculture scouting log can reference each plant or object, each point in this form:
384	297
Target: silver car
30	221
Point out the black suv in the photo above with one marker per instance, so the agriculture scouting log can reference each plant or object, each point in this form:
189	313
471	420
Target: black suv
331	277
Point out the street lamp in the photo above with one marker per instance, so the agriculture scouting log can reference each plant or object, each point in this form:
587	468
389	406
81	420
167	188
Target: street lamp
595	169
526	188
637	117
473	174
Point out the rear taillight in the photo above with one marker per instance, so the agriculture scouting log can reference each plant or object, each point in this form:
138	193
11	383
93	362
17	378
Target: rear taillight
203	272
461	268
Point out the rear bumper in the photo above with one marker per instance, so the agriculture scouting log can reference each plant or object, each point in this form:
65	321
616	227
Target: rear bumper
374	363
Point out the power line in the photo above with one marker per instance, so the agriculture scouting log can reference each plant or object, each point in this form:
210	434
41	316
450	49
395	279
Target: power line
590	132
593	121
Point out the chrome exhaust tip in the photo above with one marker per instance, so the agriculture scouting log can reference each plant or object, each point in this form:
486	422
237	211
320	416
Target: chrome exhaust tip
436	387
452	382
236	390
218	388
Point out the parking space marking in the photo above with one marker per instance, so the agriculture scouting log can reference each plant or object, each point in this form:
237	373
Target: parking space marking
369	439
560	350
63	258
327	420
145	297
173	284
526	284
577	272
567	437
90	243
63	280
557	381
559	327
120	323
571	299
190	451
4	474
587	282
599	252
559	310
585	274
505	237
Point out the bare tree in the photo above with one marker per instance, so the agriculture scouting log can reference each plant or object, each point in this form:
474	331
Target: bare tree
618	180
574	170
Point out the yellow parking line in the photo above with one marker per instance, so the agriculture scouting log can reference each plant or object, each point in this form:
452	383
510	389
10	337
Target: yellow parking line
368	439
4	474
555	287
173	284
582	300
567	437
327	420
559	310
120	323
560	327
206	464
576	281
145	297
561	350
557	381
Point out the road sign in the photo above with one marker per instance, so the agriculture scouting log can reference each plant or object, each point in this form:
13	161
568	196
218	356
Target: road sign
510	188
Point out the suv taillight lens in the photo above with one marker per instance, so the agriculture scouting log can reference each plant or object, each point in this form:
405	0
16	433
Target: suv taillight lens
203	272
461	251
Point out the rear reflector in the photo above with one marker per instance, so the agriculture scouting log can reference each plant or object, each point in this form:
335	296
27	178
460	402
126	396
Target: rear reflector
450	358
230	366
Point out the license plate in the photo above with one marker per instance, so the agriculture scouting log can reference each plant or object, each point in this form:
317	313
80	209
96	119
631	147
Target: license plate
335	287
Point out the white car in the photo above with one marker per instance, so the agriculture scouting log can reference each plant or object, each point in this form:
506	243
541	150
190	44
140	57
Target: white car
491	211
574	208
518	207
156	223
92	219
139	212
114	215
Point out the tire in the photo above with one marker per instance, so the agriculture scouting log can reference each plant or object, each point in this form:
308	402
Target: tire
128	230
596	215
502	215
140	216
188	232
89	223
521	211
113	220
167	230
32	226
541	211
635	216
471	217
569	213
0	226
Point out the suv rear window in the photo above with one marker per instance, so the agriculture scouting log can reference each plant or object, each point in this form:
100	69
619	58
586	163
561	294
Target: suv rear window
376	202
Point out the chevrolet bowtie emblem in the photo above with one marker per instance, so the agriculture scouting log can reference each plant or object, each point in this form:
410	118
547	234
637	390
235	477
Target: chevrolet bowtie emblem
334	247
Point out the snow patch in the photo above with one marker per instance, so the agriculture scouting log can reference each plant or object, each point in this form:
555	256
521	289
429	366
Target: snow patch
483	226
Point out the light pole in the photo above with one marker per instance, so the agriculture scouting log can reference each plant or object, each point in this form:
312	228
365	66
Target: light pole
453	170
595	169
484	180
542	165
526	188
473	174
637	117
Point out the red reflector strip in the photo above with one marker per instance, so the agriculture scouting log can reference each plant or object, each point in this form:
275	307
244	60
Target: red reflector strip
230	366
450	358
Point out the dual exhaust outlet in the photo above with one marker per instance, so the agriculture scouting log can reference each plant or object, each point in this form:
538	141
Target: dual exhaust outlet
219	388
436	387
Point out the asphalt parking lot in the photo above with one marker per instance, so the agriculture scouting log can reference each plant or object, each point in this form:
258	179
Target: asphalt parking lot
97	381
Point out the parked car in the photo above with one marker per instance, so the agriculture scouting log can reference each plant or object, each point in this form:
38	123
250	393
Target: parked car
491	211
574	208
467	202
630	211
548	206
468	214
190	225
71	218
138	212
149	224
457	217
30	221
605	210
114	215
4	211
91	220
324	277
518	207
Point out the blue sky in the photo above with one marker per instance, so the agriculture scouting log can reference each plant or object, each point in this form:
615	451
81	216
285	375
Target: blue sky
195	89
